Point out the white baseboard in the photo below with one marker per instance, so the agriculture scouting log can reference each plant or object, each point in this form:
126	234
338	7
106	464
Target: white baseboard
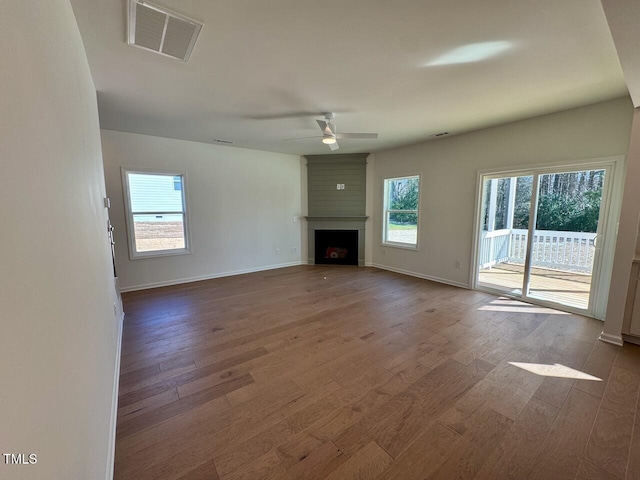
420	275
179	281
111	452
613	339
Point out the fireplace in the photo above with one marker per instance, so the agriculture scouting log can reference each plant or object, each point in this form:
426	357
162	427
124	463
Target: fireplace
322	227
336	247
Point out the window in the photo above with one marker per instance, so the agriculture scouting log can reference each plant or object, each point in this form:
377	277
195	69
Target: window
401	200
156	213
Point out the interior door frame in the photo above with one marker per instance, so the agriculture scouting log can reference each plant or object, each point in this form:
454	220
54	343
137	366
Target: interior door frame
608	219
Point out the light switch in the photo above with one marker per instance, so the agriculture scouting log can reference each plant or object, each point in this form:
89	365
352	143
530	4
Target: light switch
338	186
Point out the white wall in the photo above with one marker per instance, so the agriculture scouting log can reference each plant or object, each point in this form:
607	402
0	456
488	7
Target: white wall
449	168
304	202
626	241
370	212
58	328
241	208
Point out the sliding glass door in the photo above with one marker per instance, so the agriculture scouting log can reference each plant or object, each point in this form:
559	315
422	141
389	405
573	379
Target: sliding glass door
503	236
540	235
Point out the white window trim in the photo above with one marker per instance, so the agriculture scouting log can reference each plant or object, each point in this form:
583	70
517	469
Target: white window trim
133	254
386	211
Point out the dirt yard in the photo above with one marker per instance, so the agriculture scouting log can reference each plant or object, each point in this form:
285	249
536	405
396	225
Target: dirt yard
152	236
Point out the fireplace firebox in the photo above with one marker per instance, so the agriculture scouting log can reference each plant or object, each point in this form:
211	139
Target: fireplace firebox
336	247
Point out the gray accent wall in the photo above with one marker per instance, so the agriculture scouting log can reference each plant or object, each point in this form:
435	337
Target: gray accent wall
331	208
327	171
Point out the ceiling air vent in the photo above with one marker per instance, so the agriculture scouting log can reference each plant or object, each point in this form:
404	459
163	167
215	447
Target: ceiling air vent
157	29
442	134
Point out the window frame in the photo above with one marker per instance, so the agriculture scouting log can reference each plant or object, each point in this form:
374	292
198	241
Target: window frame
386	212
131	240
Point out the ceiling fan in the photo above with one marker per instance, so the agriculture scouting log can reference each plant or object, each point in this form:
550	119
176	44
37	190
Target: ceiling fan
329	133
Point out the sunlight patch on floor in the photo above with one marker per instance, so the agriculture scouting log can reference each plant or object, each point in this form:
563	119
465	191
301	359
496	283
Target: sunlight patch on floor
556	370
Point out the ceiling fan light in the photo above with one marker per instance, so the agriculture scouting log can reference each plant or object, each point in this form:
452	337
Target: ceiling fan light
328	140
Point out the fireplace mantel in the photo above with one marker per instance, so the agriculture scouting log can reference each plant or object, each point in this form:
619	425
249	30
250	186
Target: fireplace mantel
337	218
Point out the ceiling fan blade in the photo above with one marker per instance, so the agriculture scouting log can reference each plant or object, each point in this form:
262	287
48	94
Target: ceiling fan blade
301	138
277	116
356	135
291	114
334	146
324	126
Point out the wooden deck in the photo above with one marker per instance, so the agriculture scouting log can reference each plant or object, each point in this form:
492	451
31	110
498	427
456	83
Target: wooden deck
567	288
312	372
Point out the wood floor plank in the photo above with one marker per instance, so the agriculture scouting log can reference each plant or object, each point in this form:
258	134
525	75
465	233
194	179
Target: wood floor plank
267	467
610	440
516	453
298	448
629	357
599	365
184	404
155	379
206	471
555	391
319	464
425	456
347	372
353	439
366	464
415	409
190	376
244	442
261	390
621	393
143	454
588	471
139	374
470	454
229	458
633	467
332	426
562	450
149	403
204	383
506	389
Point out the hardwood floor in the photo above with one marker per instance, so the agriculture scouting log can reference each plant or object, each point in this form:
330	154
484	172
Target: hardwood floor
358	373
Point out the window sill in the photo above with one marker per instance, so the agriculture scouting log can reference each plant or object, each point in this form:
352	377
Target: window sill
401	246
160	253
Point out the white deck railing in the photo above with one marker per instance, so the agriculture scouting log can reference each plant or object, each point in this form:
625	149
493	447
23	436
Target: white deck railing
494	247
572	251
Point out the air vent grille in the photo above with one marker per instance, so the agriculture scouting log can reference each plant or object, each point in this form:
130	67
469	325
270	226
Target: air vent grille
154	28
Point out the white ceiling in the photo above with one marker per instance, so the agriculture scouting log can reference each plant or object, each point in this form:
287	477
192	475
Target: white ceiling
367	60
